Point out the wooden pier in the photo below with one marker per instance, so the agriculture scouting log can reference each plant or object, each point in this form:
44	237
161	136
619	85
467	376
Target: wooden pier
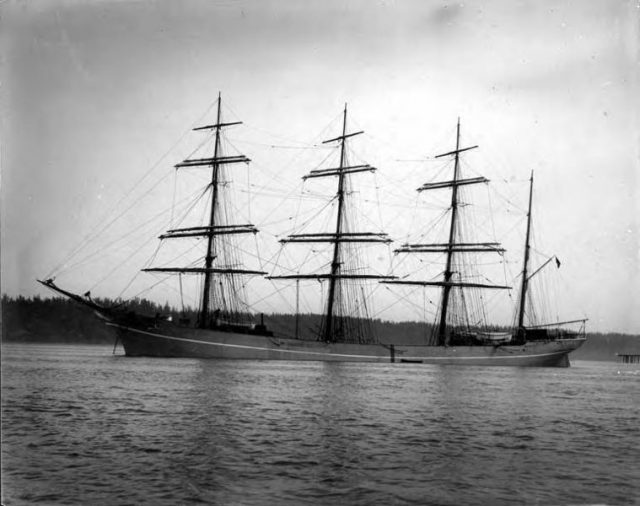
627	358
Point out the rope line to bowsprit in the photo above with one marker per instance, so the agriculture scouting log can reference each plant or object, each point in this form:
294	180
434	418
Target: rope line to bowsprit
100	228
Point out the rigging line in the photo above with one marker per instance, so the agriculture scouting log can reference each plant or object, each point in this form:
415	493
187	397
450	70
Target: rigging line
135	276
270	191
153	218
205	141
153	256
437	221
227	143
274	192
280	146
299	187
269	261
279	293
275	222
193	263
249	193
149	288
377	139
116	241
493	223
286	197
402	175
106	227
94	234
321	162
192	203
278	177
173	199
315	146
366	219
283	196
277	260
289	139
226	107
317	212
268	296
285	168
95	231
275	263
509	201
539	252
445	166
406	299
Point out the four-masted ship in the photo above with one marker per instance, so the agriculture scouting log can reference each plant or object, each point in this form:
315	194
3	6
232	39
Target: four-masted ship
225	328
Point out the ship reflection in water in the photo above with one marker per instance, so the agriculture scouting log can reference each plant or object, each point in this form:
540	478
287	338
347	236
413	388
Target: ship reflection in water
83	427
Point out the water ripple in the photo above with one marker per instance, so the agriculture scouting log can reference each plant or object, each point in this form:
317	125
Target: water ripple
81	426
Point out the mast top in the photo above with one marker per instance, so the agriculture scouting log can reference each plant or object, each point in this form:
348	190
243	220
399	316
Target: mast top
458	149
343	319
218	124
344	135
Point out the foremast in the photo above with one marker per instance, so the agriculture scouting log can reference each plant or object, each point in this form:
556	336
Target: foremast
216	228
329	330
453	246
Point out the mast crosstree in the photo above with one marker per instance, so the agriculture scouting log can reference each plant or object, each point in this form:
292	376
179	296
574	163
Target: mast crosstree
329	331
213	230
452	247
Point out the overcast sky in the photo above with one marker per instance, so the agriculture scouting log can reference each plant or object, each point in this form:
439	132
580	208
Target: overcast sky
94	93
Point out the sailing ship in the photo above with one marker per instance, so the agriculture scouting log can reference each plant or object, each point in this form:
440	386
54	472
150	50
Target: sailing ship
225	329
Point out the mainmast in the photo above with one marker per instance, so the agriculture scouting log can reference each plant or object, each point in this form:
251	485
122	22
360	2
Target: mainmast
452	246
335	263
329	331
208	262
215	227
525	279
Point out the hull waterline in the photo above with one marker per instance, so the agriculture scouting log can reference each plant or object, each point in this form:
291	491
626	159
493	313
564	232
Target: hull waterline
174	341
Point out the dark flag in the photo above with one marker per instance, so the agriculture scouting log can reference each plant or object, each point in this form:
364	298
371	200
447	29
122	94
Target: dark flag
557	262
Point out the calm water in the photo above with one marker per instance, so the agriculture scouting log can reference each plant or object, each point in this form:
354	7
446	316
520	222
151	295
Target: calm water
81	426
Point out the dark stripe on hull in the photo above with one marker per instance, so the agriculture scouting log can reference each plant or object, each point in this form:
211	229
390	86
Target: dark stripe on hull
196	343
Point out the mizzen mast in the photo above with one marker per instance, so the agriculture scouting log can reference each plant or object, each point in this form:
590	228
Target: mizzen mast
525	278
